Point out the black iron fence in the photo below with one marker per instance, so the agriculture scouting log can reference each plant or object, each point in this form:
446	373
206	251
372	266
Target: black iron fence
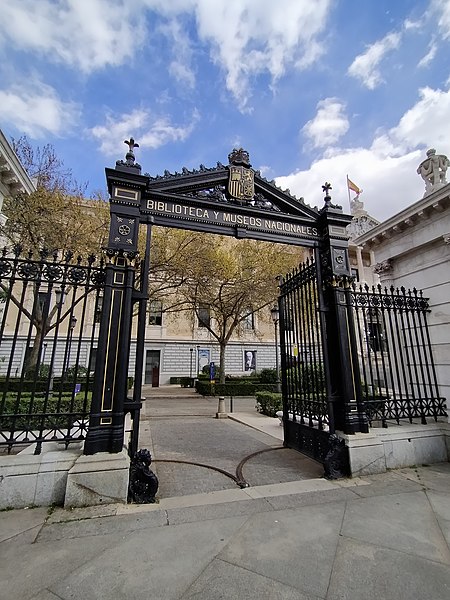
391	366
49	313
395	361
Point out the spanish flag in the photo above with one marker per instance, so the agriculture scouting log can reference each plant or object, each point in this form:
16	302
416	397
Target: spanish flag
352	186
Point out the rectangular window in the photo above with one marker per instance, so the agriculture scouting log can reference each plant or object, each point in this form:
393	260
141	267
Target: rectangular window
98	309
92	361
355	274
248	322
155	313
204	315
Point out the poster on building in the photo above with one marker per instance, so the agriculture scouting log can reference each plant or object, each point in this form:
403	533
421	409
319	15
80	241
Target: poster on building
203	359
249	360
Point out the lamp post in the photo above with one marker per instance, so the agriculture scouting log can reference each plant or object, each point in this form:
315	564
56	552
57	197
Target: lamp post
275	314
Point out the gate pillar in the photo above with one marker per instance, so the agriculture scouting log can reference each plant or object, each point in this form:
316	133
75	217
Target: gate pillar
106	423
340	353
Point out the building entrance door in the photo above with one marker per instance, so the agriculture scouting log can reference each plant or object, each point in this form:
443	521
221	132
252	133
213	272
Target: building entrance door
152	361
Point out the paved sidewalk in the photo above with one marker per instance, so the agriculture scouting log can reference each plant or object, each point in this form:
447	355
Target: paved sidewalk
383	537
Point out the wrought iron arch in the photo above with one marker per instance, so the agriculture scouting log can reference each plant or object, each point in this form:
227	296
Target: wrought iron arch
233	200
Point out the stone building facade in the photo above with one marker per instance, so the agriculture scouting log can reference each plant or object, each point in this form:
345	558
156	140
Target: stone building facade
412	249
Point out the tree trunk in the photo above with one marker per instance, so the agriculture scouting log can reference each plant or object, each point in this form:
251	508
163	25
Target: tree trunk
32	361
222	348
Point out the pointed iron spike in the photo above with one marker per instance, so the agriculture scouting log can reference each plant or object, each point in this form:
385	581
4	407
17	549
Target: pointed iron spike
79	259
91	259
30	254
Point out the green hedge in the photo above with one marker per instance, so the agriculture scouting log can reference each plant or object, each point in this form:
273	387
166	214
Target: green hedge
39	386
268	403
60	406
232	389
16	385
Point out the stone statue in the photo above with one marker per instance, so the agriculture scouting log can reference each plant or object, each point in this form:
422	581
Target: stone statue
433	170
143	483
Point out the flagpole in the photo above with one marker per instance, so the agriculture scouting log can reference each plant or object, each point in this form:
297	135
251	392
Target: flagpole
349	201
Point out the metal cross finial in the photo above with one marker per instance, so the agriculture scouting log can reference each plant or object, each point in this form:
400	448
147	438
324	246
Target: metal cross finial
131	144
326	188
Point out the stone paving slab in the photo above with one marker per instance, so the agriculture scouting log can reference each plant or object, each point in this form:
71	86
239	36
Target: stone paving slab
408	525
304	540
239	583
161	565
364	571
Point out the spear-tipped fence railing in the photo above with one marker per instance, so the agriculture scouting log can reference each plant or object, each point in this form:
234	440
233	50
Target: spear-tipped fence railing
49	315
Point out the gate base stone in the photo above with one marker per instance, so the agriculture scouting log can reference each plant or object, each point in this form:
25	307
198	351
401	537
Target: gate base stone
98	479
397	447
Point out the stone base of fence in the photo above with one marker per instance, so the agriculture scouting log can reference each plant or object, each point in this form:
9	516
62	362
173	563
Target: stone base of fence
397	447
62	477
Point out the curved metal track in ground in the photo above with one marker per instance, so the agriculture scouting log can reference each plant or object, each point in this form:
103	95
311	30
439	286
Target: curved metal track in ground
241	484
238	478
239	474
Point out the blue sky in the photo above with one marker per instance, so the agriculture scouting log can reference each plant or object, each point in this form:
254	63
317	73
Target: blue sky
314	90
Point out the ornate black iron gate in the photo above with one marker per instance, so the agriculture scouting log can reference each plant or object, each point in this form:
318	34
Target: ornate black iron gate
308	417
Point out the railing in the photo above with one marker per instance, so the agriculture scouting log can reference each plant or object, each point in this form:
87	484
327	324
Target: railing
49	311
396	367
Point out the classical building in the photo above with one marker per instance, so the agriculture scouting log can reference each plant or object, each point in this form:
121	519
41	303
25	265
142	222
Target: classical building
412	250
13	177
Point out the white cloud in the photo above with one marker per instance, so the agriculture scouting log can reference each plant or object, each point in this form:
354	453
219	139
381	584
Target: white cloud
329	124
86	34
429	56
36	110
249	38
180	67
366	66
246	38
442	9
148	131
387	170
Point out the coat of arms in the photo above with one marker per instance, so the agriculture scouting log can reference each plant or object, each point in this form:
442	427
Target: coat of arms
241	183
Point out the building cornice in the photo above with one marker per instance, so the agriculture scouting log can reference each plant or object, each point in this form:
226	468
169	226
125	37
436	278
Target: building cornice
432	204
13	177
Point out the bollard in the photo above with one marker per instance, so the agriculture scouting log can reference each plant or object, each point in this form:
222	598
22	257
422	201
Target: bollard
221	414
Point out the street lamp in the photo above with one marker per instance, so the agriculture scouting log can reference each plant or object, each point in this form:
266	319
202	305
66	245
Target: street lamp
275	314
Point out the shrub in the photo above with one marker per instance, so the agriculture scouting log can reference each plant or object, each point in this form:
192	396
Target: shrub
268	376
80	371
268	403
311	377
232	388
